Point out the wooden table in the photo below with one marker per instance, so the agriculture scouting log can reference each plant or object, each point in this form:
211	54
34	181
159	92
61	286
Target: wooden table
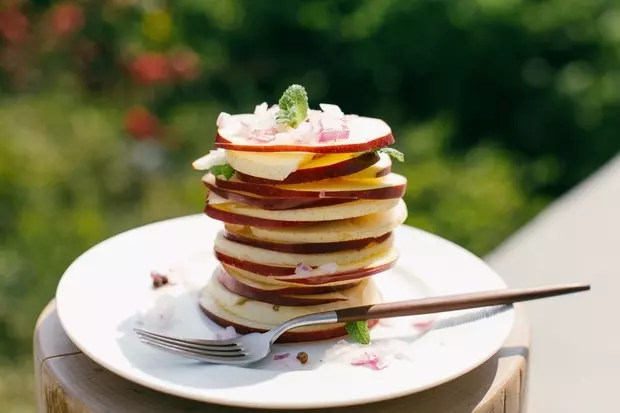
69	382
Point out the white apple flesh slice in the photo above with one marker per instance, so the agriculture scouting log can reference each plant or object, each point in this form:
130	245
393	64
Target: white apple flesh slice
276	166
318	275
258	282
386	187
245	276
256	255
247	238
274	297
269	203
368	226
228	309
245	214
321	167
365	134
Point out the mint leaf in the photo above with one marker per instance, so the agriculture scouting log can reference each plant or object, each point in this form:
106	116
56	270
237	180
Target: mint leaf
293	106
392	153
223	170
359	331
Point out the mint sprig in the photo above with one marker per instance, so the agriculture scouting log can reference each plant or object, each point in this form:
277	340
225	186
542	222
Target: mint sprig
226	171
293	106
359	331
392	153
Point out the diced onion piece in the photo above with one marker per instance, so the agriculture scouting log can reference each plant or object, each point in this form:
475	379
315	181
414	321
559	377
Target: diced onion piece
331	109
333	135
370	360
328	268
281	356
226	334
303	269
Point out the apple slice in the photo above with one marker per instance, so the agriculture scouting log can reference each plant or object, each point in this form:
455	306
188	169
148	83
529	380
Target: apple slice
331	166
386	187
248	276
363	227
362	294
365	134
225	216
269	203
276	166
346	272
304	248
355	271
226	247
298	217
282	287
271	297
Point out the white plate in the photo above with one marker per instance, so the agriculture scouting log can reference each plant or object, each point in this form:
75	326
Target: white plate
107	290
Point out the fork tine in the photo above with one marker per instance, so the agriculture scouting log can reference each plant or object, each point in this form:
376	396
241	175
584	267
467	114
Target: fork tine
193	350
223	346
189	353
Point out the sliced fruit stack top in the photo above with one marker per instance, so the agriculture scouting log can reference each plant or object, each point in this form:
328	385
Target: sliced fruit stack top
308	215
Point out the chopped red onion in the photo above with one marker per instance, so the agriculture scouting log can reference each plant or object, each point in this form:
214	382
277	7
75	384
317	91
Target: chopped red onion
281	356
302	269
260	109
223	119
333	135
371	361
329	268
424	324
329	109
226	334
304	132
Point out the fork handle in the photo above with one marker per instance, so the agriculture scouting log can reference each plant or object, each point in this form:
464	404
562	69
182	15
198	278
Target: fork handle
454	302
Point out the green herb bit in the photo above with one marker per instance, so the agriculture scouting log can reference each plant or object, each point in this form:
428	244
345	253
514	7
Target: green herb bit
359	331
293	106
392	153
224	170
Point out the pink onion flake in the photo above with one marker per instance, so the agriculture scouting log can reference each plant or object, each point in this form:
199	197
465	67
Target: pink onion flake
329	268
281	356
423	325
302	269
226	334
371	361
333	135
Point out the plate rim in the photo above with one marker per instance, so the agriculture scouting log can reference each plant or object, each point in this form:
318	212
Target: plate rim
318	404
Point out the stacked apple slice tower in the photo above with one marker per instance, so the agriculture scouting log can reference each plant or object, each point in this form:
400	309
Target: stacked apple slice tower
309	203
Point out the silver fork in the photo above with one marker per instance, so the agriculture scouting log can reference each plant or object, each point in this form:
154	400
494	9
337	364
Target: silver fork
252	347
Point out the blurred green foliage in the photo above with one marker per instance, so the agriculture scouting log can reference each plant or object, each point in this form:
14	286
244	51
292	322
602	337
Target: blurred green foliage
499	106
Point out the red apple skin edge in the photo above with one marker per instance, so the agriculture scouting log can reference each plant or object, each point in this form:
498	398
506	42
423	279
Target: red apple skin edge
232	218
303	290
269	297
384	192
310	248
377	143
274	204
292	336
279	272
336	170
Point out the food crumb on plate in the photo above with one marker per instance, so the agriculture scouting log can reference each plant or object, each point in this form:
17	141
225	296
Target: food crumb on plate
302	356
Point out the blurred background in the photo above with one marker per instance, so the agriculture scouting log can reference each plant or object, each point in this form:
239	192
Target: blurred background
500	106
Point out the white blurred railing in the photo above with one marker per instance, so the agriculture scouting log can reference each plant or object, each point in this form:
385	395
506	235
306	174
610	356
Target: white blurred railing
575	350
